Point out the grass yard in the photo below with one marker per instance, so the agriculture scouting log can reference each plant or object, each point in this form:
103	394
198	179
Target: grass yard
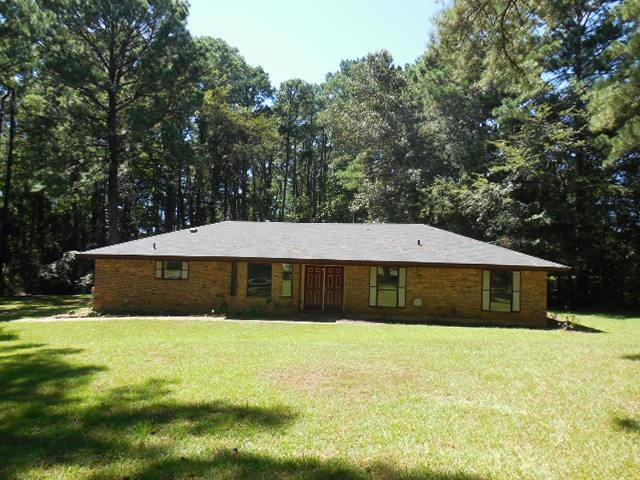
216	399
36	306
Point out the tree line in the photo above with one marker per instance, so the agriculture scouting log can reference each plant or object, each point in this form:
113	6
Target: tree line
519	125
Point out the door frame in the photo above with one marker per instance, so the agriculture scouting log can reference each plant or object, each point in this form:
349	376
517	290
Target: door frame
303	277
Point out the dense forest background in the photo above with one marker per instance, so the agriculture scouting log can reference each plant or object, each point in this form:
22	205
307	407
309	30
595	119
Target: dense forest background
519	125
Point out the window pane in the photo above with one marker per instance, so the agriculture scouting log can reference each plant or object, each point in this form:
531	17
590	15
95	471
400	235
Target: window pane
501	280
172	269
500	307
388	278
501	288
387	298
259	280
287	271
173	274
516	281
500	300
173	265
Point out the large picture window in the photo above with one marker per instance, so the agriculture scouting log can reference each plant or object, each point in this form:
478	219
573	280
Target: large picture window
387	286
500	291
259	280
287	279
172	270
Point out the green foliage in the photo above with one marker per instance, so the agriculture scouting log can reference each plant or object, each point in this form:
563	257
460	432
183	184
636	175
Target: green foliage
22	23
615	100
518	125
524	168
373	123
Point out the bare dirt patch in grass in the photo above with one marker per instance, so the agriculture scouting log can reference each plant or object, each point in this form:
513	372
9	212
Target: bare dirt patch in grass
348	380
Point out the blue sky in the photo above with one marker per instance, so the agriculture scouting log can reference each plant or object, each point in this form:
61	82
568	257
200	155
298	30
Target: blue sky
307	39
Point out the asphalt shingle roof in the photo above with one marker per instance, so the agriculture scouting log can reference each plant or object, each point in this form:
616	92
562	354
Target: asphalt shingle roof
335	242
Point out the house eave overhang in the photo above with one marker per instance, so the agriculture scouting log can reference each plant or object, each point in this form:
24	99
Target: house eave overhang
324	261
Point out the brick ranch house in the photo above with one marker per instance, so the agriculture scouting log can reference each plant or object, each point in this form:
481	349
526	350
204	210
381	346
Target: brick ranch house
388	271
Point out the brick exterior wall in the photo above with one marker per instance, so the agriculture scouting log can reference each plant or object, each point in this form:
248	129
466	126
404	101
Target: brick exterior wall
447	294
130	286
126	285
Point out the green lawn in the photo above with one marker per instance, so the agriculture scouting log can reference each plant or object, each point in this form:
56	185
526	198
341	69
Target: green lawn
220	399
30	306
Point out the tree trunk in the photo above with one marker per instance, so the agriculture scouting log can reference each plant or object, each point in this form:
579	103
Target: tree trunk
244	186
284	192
266	201
584	171
213	196
284	180
180	203
2	100
294	170
5	226
113	233
170	209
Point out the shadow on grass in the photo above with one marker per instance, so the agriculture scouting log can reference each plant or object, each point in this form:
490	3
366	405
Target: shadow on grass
627	424
635	357
7	337
571	326
240	465
38	306
54	423
49	418
606	314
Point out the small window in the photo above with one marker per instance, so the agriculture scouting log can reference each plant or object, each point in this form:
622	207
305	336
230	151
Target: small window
172	270
234	278
387	286
287	279
259	280
500	291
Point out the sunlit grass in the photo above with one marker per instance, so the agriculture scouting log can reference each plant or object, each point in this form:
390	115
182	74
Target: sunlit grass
222	399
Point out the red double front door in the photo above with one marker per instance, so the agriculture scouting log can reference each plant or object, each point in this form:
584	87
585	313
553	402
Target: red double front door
323	287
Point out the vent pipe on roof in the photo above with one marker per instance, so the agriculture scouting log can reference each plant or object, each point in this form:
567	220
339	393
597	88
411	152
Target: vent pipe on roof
419	244
193	230
154	245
